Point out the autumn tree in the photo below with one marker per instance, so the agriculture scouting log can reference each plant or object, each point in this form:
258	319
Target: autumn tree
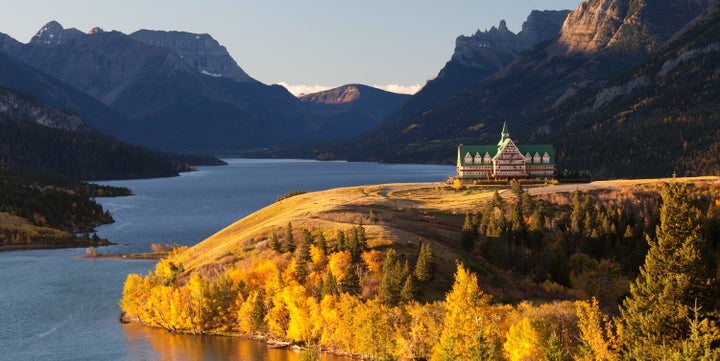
672	281
466	335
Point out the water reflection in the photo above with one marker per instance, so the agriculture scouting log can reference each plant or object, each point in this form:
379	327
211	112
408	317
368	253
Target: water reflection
148	343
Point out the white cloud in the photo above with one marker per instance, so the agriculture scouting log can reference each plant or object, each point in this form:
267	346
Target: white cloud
298	90
402	89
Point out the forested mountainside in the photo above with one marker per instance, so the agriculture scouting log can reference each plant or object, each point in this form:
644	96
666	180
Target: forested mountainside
39	138
561	90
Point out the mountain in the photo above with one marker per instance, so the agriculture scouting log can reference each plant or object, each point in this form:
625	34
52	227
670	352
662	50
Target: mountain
661	115
26	79
534	93
351	109
168	89
39	138
201	51
481	55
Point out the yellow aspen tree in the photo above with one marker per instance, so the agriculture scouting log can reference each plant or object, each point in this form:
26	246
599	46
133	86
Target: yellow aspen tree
596	332
278	316
198	301
523	342
338	263
300	325
318	257
466	335
244	314
423	330
374	329
135	292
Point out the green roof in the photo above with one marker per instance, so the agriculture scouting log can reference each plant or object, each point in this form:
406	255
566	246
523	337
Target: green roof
493	149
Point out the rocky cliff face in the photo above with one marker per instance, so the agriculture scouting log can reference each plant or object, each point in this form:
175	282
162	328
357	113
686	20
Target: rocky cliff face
54	34
492	49
200	51
633	27
23	107
478	56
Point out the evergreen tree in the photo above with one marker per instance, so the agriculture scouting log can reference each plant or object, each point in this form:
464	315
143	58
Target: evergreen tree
321	242
340	241
469	233
350	282
259	311
275	242
303	255
671	282
577	215
410	290
288	244
330	287
391	281
425	265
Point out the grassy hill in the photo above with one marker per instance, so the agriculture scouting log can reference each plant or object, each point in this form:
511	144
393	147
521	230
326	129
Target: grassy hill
345	268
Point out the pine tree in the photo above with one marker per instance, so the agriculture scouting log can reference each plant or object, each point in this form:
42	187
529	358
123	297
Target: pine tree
409	291
425	265
275	242
392	280
577	215
321	242
288	244
330	287
350	282
258	310
657	314
340	241
469	232
303	255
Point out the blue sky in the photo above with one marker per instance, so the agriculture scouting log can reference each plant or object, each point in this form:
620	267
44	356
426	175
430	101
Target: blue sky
313	44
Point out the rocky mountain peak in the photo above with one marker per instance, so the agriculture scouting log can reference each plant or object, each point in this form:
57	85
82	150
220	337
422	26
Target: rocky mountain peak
634	27
540	26
96	30
54	34
200	51
340	95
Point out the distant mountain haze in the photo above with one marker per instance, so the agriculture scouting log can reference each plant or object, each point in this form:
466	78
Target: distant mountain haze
177	91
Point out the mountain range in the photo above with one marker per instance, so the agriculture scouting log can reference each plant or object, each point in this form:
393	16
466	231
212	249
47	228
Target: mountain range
595	91
622	88
168	90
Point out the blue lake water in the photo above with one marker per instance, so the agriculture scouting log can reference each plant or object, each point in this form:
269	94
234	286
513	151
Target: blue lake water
55	305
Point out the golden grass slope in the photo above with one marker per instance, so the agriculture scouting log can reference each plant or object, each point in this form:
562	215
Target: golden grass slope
407	214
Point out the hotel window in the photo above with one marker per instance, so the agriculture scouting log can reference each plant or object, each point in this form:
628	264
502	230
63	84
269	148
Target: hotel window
546	158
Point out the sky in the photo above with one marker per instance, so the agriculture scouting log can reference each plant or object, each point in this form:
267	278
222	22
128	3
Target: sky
305	46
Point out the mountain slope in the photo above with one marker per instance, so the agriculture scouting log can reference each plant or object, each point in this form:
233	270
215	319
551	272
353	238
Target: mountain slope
351	109
21	77
170	103
39	138
481	55
528	91
663	114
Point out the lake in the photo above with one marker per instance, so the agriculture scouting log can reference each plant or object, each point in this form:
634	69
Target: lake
55	305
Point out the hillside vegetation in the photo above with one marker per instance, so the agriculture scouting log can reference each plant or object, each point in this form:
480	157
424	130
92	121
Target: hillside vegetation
429	271
48	212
